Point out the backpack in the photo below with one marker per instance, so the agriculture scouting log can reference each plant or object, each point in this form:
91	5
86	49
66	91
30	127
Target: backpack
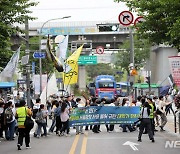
8	115
39	117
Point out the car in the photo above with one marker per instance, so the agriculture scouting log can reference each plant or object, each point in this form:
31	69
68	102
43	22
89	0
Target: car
62	92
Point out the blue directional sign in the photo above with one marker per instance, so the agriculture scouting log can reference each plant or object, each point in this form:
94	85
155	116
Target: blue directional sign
39	55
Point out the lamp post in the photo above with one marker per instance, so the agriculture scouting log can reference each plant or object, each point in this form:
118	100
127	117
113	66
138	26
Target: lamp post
40	61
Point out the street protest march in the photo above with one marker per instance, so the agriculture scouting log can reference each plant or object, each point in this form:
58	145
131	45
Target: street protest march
104	115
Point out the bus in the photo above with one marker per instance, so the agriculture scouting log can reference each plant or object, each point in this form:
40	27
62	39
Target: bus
122	89
104	87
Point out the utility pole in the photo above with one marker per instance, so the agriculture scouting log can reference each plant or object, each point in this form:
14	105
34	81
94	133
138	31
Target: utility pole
27	65
131	79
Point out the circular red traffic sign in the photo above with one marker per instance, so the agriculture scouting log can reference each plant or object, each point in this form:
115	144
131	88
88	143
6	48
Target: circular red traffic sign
100	50
139	20
126	18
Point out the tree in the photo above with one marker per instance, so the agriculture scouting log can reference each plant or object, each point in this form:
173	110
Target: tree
12	11
141	53
99	69
162	20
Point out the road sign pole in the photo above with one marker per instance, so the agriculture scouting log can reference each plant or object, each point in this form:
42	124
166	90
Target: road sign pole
131	59
27	66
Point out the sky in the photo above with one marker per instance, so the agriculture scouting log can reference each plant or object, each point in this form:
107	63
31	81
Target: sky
79	10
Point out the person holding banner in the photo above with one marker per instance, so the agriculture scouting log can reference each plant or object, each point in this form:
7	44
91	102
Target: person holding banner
94	103
64	119
79	128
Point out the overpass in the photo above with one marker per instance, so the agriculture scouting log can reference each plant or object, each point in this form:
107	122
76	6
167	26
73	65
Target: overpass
112	34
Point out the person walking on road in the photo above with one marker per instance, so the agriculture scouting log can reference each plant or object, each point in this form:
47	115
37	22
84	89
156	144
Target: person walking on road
10	121
41	120
145	122
161	111
64	119
21	114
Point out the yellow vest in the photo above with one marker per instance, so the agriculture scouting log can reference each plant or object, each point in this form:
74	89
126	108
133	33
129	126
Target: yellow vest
151	111
21	112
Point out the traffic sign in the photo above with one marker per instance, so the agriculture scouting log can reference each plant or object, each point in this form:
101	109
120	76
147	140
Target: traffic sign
21	81
139	20
100	50
39	55
126	18
87	60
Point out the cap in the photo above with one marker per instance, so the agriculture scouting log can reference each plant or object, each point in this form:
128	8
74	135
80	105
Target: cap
66	96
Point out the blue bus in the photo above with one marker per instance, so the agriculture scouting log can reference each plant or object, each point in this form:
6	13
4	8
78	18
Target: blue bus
122	89
104	87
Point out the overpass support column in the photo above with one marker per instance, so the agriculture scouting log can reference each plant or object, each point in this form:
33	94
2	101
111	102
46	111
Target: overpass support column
82	77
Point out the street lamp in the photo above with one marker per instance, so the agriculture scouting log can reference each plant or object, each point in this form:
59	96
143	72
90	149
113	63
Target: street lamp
40	62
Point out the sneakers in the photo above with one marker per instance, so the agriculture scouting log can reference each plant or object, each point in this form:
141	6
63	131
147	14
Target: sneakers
19	146
152	140
161	128
139	140
28	147
67	135
61	134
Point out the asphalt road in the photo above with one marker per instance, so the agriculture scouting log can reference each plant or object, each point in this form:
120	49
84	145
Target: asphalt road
91	143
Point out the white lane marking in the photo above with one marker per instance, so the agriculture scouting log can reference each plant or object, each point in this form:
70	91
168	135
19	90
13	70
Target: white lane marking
132	145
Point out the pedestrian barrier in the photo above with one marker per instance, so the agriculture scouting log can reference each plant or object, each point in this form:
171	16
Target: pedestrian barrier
177	121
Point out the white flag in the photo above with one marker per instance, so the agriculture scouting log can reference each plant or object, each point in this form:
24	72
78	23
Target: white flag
50	89
10	68
62	48
61	53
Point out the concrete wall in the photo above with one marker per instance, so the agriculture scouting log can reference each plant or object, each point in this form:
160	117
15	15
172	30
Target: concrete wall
82	78
159	64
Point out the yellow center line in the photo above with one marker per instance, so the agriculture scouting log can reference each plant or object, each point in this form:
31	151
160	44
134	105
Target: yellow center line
84	144
74	145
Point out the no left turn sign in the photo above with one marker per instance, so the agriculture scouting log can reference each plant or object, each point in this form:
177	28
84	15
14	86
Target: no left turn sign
126	18
138	20
100	50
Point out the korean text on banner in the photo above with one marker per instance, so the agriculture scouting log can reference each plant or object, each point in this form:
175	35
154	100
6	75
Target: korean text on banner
71	76
174	62
95	115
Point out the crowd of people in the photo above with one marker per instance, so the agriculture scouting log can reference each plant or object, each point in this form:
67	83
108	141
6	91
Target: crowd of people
58	109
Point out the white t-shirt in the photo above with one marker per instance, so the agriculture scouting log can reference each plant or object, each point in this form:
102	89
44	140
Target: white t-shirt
138	103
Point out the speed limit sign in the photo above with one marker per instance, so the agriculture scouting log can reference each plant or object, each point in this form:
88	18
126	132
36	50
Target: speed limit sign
100	50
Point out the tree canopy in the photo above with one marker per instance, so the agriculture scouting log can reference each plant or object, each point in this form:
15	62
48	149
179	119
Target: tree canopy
141	53
12	11
99	69
162	20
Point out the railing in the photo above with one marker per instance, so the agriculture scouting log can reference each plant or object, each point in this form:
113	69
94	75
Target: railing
177	121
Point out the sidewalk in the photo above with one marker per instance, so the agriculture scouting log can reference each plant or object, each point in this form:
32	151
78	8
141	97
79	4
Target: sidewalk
170	126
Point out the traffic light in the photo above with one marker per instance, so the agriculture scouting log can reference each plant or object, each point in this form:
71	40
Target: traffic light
108	27
133	72
148	80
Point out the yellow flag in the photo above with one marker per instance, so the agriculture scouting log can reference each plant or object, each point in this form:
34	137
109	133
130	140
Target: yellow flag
71	77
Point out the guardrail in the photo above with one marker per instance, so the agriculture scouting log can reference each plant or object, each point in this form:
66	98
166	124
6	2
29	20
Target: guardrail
177	121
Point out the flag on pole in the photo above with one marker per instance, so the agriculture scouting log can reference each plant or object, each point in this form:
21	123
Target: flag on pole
61	52
62	48
57	64
50	89
10	68
71	77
